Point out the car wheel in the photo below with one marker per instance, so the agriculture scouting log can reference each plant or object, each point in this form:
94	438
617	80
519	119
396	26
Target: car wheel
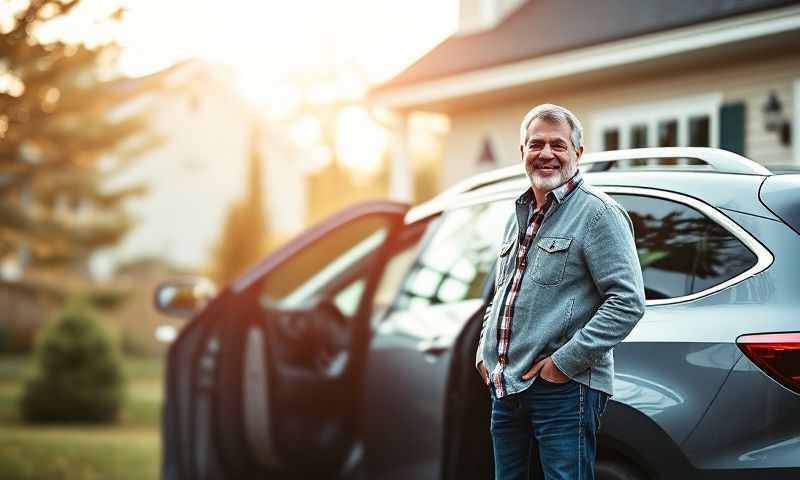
612	469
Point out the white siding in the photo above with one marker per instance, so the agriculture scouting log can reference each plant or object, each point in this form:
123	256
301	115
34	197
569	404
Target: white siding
749	82
197	175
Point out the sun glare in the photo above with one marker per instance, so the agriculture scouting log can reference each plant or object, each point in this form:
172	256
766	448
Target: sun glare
267	41
350	44
360	142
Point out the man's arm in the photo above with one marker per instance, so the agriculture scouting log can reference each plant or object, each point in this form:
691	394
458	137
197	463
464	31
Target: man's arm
486	313
613	263
488	292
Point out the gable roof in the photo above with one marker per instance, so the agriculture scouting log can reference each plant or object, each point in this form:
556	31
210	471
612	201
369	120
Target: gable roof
542	27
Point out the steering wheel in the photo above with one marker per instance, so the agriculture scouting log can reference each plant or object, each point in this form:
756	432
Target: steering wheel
316	337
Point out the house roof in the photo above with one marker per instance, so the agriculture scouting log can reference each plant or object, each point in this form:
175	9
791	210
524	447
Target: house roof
542	27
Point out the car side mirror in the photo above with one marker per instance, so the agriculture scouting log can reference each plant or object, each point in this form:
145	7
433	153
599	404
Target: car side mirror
183	297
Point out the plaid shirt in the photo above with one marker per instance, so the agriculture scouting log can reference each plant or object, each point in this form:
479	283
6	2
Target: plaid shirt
504	326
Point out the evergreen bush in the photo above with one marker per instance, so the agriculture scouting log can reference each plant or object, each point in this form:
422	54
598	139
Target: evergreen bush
79	374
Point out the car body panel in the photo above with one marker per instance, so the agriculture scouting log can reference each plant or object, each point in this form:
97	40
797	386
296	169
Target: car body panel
781	195
676	397
185	413
753	424
407	373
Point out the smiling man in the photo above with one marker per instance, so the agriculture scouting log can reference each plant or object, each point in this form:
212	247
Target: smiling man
568	288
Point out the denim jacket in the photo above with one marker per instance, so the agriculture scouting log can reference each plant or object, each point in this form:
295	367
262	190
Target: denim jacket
581	294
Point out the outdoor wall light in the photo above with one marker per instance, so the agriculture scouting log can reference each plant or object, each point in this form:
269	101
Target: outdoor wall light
774	119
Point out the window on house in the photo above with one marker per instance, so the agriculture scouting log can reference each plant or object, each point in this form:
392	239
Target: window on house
700	131
639	140
683	122
639	136
611	139
668	137
668	133
699	134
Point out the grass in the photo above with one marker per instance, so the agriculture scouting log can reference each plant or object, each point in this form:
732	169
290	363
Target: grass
128	449
60	452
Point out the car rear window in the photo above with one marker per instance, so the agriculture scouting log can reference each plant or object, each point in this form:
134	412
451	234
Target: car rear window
681	250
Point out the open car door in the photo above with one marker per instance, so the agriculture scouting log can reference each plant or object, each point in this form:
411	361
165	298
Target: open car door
264	381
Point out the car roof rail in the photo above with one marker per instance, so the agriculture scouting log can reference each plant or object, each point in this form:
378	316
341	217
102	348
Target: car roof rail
718	160
469	184
715	160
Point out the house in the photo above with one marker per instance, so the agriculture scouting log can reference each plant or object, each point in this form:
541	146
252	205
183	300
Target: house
636	72
199	172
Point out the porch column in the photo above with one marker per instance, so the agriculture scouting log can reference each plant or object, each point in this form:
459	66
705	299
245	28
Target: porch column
401	178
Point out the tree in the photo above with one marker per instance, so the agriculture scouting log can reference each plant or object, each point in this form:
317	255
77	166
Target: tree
79	376
62	136
244	235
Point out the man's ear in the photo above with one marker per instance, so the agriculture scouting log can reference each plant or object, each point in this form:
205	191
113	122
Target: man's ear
579	152
521	153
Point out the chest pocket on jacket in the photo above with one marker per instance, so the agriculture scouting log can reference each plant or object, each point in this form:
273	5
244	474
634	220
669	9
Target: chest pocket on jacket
504	263
551	260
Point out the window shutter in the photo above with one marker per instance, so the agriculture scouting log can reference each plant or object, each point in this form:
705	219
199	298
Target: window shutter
731	127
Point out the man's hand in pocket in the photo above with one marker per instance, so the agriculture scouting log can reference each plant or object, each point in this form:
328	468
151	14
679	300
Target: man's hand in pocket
484	374
547	370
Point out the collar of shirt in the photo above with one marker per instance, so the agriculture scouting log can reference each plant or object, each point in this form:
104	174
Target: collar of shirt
560	193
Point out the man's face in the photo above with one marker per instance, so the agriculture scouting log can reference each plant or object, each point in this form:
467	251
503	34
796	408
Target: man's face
548	155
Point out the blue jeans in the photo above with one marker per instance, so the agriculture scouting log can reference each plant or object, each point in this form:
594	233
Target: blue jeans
547	431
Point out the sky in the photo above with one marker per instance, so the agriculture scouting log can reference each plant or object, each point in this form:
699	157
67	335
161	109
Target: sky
266	41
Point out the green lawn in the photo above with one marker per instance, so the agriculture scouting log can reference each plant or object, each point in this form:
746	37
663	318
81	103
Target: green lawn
126	450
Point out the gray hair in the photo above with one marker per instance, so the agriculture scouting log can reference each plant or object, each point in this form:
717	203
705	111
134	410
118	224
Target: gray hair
554	114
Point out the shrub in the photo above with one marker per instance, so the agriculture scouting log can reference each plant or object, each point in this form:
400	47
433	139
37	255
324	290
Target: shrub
79	372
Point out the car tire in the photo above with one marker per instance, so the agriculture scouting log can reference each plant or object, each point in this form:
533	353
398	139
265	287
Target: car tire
613	469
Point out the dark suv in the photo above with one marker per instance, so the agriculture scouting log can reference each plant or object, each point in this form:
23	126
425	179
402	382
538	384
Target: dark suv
349	352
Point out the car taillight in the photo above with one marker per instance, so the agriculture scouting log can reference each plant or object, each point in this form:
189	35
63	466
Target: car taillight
777	354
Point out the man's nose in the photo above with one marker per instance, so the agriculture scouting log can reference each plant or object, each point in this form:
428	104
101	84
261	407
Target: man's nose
546	151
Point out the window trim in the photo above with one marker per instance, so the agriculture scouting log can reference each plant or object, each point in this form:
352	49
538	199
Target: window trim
764	257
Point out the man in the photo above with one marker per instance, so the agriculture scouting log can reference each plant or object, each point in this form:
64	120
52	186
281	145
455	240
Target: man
568	288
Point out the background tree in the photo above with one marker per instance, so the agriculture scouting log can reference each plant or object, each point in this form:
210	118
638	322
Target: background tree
244	235
79	373
63	135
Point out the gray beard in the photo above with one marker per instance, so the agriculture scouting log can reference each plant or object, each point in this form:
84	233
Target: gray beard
549	183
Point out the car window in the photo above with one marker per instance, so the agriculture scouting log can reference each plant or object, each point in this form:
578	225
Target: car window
680	249
461	252
295	282
399	257
348	298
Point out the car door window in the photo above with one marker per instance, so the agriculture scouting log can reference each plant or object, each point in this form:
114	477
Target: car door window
460	254
681	250
331	265
348	298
